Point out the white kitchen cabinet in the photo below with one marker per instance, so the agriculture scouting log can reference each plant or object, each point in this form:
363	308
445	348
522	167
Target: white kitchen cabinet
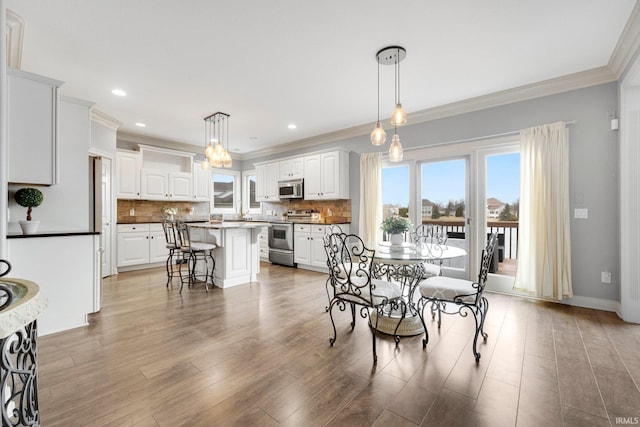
158	251
180	184
128	172
302	244
141	245
326	176
267	177
308	245
32	128
201	183
133	248
154	184
292	168
159	185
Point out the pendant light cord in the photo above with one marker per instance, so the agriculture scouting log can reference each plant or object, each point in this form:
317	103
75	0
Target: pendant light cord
378	60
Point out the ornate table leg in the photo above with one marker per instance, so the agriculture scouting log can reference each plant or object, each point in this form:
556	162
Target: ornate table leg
19	378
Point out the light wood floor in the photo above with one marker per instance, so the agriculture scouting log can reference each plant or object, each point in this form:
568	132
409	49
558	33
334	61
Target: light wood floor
259	354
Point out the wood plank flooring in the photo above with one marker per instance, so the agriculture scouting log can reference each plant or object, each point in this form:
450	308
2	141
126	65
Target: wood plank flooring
259	354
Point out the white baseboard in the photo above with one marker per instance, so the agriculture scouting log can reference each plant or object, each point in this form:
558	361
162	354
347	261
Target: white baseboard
595	303
576	301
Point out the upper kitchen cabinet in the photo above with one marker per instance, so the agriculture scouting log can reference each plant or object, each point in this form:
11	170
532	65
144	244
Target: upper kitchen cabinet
155	173
166	174
326	176
32	128
201	183
292	168
128	165
267	177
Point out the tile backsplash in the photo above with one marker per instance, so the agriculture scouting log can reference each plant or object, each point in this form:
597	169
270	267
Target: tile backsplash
152	211
331	211
140	211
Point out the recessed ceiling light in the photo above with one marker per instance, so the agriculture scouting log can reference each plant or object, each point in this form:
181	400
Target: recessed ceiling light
253	138
119	92
292	126
141	125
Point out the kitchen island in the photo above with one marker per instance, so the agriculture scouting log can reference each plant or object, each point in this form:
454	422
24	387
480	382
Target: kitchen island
236	255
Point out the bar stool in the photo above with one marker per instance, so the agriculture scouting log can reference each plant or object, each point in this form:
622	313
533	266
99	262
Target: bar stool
172	245
192	252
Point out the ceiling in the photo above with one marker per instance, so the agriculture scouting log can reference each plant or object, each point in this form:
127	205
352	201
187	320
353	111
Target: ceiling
269	64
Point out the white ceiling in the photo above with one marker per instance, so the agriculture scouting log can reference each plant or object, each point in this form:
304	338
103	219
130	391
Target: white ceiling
271	63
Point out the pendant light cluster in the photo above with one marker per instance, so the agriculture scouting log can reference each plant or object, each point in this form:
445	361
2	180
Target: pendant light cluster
391	55
216	141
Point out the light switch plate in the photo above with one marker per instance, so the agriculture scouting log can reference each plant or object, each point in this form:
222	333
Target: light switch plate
581	213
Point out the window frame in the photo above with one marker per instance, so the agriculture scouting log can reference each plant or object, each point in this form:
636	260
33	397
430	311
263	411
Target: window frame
246	207
237	191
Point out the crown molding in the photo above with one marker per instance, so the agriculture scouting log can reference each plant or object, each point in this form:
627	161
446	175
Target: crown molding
15	35
77	101
548	87
105	119
136	138
627	45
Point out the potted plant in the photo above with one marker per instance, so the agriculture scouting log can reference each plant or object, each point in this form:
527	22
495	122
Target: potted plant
394	226
29	198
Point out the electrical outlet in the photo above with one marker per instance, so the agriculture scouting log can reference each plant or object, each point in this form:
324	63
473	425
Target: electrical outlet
605	277
581	213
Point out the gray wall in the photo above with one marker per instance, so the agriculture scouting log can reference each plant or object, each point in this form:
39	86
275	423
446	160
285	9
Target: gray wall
593	175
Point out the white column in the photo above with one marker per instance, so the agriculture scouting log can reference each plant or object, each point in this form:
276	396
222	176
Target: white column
4	188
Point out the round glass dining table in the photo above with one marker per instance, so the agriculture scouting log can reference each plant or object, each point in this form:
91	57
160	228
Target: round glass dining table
403	264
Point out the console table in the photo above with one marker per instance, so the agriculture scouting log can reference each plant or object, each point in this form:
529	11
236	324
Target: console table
20	304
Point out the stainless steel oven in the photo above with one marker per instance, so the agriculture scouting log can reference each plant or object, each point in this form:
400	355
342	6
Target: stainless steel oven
281	243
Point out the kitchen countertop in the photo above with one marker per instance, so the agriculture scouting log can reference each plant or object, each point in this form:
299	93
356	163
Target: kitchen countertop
230	224
51	234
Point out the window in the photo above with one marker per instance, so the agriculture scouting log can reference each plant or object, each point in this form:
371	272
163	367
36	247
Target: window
249	202
226	191
395	191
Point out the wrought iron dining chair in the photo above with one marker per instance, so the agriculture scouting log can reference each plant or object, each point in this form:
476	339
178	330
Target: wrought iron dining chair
433	241
193	252
330	229
174	249
457	296
351	277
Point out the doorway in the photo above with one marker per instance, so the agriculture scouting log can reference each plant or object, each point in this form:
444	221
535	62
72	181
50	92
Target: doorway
106	243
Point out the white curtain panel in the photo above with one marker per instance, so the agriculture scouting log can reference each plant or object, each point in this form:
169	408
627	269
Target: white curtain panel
544	244
370	197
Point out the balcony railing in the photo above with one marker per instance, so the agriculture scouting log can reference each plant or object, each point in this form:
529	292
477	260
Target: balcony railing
508	228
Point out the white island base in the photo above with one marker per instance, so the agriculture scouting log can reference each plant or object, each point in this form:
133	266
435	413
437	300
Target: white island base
236	255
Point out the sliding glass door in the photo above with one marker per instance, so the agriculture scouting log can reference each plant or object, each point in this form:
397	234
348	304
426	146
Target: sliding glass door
443	201
499	173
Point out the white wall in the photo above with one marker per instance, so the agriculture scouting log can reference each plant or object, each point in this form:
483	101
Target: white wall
66	205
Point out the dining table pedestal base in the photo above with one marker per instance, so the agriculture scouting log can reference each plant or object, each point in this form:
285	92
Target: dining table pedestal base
410	326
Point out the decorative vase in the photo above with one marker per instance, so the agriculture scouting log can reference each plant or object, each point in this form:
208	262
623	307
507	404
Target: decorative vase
29	227
396	239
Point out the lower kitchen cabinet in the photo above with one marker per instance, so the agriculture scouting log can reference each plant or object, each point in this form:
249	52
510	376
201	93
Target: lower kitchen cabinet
141	244
308	245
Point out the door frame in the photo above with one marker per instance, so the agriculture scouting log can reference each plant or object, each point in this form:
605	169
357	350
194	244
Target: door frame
476	214
112	235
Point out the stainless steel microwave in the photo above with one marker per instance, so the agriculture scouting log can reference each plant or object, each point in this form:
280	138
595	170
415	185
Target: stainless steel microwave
291	189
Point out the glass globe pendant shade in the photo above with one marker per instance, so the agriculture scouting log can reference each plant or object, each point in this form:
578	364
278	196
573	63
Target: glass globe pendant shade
378	135
226	159
219	150
209	150
395	150
216	162
399	116
205	165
